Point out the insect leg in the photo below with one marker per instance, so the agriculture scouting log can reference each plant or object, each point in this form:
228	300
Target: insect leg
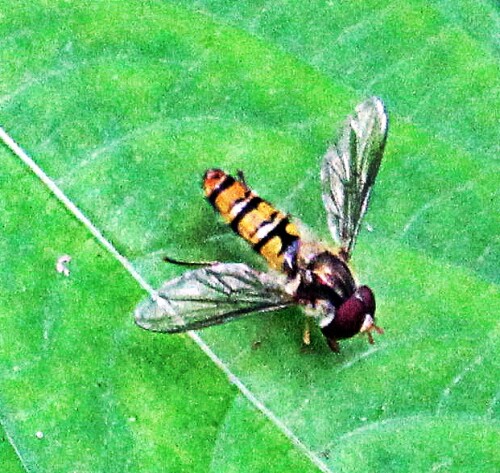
306	337
241	176
333	344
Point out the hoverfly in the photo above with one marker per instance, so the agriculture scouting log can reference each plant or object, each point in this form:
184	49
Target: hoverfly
307	272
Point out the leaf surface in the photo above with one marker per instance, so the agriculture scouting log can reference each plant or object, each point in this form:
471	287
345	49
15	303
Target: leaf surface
125	106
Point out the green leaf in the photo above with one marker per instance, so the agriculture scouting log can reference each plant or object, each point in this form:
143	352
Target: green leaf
125	106
82	387
8	455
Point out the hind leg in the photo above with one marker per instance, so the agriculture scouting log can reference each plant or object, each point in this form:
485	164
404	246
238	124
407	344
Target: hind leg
306	336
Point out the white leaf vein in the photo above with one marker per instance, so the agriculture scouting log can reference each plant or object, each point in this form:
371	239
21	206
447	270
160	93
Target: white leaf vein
100	237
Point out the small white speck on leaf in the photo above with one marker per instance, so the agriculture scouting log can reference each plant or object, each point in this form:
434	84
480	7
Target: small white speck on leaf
61	263
131	419
39	435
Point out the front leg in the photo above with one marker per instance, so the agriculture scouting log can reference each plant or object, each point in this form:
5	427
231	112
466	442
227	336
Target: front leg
333	344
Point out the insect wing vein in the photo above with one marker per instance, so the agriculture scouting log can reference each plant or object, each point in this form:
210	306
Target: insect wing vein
349	170
210	296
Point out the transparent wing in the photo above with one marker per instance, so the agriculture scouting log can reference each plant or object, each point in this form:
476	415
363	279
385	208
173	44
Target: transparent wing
210	296
349	170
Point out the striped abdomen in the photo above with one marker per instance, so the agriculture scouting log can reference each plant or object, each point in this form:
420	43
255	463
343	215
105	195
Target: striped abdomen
268	230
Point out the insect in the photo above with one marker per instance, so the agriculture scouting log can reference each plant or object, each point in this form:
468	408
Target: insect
304	271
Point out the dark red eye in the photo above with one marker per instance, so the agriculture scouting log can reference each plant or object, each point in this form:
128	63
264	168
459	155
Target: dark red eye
349	317
368	299
348	320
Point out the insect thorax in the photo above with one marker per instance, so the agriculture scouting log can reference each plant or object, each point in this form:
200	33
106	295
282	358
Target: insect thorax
322	279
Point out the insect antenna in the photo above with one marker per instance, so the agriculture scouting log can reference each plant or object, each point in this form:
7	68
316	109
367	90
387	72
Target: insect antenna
167	259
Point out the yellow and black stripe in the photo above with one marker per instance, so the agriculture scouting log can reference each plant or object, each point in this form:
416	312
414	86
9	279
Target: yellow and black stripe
268	230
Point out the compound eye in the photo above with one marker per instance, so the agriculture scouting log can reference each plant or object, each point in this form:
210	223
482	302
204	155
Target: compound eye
365	295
